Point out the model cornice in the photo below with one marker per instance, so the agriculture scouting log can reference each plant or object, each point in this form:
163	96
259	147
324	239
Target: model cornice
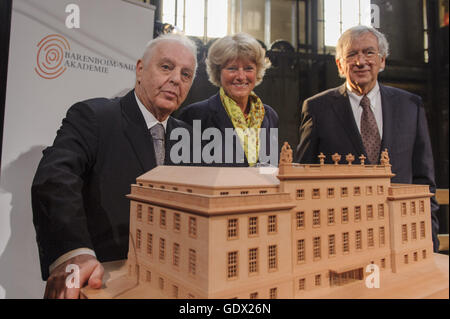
205	205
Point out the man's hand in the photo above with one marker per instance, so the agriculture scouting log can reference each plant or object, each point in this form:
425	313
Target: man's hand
90	271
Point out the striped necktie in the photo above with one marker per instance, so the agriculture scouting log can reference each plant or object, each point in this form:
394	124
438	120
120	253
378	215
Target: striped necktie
158	134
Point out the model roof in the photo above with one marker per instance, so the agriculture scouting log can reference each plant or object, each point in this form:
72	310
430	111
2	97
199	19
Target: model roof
212	176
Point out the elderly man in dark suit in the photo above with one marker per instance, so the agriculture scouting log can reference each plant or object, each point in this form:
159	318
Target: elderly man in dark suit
80	210
365	117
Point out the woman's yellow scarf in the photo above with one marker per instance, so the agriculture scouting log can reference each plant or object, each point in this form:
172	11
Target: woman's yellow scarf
246	128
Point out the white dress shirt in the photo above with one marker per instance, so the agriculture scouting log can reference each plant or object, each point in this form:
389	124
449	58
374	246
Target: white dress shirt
150	120
375	104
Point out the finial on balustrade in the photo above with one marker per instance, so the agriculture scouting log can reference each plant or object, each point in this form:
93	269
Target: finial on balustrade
349	158
321	158
336	158
286	154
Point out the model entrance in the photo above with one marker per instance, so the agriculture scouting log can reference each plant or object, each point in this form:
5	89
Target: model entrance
339	279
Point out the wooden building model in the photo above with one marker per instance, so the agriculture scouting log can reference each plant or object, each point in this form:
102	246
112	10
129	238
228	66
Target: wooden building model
210	232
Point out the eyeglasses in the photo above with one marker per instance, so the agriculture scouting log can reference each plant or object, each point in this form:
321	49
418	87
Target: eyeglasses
369	55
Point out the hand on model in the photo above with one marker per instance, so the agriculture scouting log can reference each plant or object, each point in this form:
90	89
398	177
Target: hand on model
90	272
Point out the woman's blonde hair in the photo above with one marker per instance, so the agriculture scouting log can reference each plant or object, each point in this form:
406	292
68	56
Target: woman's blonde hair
232	47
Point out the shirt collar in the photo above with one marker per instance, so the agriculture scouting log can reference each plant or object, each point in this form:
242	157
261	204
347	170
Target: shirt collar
371	95
149	118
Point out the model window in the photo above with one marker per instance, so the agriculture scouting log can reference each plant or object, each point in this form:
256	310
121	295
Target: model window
193	227
413	231
413	208
382	236
380	189
138	239
162	218
316	248
345	242
370	242
176	254
422	230
192	261
253	260
316	218
318	280
422	206
150	244
357	213
139	212
404	233
380	210
300	250
175	291
344	191
273	259
272	224
357	191
369	212
273	293
330	192
252	226
300	194
232	269
150	215
300	218
403	209
316	193
369	190
331	245
330	216
301	284
358	239
232	228
176	222
162	249
344	214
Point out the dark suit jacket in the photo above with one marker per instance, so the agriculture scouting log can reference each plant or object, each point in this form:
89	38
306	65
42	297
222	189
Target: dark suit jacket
212	113
328	126
78	192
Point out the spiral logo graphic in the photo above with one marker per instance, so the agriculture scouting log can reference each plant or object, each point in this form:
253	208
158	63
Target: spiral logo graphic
50	56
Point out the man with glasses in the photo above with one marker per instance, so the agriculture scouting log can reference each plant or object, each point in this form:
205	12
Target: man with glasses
363	117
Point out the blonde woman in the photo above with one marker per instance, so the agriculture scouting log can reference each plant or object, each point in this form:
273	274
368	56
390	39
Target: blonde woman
236	64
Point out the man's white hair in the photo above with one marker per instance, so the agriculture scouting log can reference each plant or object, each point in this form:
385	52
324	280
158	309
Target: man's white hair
170	37
354	33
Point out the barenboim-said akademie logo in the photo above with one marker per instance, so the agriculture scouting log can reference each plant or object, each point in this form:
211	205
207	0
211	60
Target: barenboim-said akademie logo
54	56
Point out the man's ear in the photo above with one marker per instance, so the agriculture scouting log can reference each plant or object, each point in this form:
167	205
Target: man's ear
139	70
382	63
339	66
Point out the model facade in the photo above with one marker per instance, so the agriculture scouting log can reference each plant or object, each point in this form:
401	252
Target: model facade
208	232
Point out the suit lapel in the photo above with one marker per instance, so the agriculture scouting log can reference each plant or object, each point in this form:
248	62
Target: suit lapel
221	118
389	117
344	112
136	131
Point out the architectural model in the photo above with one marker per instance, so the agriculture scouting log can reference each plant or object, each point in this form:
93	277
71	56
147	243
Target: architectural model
210	232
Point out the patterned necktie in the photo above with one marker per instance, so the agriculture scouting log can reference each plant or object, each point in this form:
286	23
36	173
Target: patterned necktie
369	131
158	135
